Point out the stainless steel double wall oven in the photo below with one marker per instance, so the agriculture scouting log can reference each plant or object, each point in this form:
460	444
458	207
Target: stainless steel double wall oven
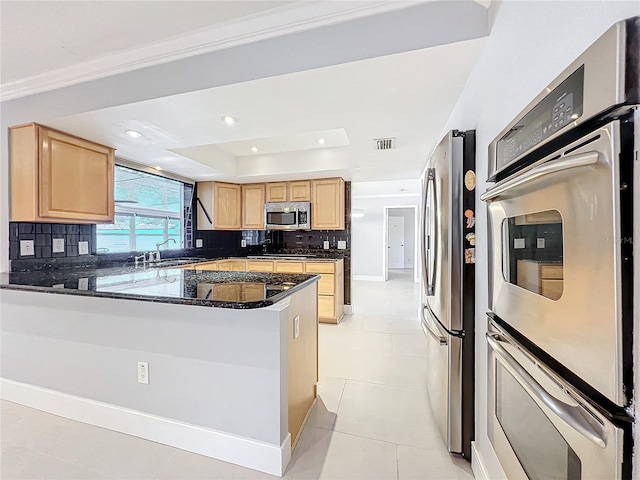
561	220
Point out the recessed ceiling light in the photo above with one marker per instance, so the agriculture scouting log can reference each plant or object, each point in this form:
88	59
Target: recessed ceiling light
229	120
321	141
158	168
254	149
133	133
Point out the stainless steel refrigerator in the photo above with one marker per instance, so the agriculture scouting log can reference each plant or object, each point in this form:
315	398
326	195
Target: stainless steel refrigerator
448	255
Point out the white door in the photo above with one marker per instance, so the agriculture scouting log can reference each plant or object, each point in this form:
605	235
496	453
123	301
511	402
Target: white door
395	242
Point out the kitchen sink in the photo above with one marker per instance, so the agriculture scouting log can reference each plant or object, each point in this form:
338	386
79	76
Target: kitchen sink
175	262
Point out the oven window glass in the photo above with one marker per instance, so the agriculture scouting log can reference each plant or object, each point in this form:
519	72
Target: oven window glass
281	218
533	253
541	450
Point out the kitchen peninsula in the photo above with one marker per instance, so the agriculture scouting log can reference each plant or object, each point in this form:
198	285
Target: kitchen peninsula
229	359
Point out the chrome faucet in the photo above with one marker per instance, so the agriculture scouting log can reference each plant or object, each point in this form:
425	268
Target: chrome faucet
162	243
142	257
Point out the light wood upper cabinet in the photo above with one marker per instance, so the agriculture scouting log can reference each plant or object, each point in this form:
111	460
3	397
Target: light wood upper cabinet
57	177
219	206
328	204
300	191
296	191
253	197
277	192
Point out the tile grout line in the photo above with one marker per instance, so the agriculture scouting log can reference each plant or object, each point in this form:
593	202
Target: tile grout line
173	454
72	463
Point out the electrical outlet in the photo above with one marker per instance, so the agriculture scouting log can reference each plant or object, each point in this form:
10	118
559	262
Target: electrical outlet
342	244
540	243
198	243
296	326
326	245
83	283
518	243
243	243
83	248
143	373
26	248
58	245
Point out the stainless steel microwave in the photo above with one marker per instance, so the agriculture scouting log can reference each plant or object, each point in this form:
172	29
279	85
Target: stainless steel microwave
287	216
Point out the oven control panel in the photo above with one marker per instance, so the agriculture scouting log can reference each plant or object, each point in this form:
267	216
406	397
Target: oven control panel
559	108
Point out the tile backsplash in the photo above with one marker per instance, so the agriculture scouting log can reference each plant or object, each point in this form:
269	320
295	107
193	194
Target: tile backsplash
43	235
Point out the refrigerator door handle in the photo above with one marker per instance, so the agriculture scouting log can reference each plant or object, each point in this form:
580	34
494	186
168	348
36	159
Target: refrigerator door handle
431	329
429	244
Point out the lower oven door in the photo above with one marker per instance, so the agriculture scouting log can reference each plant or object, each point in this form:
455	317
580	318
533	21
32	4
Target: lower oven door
555	258
540	427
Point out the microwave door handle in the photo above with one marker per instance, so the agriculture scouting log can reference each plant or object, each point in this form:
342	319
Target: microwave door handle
577	417
568	162
430	328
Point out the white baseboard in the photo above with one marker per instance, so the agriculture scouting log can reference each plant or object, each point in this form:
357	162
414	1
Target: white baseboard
477	464
348	309
369	278
264	457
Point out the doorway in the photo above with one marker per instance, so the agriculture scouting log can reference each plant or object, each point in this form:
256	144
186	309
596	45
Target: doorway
401	225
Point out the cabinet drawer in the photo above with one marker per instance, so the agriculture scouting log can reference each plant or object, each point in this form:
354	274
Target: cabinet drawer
260	266
326	306
318	267
551	271
290	267
326	285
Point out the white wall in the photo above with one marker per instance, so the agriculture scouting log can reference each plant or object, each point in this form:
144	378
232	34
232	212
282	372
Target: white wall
409	215
530	43
368	232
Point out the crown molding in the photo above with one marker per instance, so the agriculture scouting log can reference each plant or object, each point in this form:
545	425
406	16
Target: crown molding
294	18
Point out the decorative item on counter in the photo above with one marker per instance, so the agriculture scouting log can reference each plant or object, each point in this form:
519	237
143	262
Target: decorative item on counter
471	238
470	180
471	219
469	255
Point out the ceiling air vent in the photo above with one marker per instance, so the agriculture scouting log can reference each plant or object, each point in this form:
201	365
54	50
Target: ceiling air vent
385	143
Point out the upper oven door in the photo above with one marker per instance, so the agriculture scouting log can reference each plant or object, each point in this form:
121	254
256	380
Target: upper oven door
554	266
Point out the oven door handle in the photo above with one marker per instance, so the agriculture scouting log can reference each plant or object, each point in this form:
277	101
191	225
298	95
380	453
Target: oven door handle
568	162
577	417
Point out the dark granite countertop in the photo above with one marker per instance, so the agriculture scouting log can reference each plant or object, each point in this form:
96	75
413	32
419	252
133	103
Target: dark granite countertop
240	290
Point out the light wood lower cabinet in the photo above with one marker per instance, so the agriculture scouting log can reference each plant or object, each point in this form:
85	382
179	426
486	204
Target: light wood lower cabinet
232	265
289	267
330	289
57	177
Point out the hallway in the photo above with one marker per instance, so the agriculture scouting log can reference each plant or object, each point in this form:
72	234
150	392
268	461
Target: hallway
372	419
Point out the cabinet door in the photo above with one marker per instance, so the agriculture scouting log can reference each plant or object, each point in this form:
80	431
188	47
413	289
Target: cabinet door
277	192
253	206
228	211
76	178
300	191
327	211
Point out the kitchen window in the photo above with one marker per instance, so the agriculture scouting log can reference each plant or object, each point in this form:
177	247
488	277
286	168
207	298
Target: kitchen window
150	209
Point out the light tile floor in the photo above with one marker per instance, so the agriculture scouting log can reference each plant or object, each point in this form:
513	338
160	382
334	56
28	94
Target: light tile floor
372	419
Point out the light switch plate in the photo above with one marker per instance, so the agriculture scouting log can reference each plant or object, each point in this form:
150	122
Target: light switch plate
243	243
198	243
83	283
83	248
342	244
58	245
326	244
540	243
518	243
26	248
